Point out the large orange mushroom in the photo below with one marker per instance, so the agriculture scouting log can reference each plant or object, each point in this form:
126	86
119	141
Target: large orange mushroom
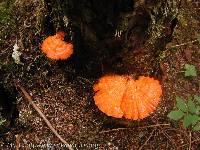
55	48
109	94
121	96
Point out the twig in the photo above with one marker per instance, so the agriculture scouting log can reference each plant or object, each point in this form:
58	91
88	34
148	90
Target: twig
167	136
190	141
117	129
183	44
147	140
86	80
198	140
155	125
189	138
181	131
29	99
150	126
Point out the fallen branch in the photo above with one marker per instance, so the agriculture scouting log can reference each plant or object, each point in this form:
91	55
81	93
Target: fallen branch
29	99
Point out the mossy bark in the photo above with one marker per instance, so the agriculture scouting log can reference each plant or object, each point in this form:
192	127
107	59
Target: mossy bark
126	33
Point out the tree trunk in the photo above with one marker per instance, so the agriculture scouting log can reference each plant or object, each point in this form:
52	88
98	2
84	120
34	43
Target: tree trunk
126	36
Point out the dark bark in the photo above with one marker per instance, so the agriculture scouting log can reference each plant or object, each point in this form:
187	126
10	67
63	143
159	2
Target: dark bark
146	28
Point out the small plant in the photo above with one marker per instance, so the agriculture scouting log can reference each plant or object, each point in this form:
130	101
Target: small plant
190	70
188	111
2	121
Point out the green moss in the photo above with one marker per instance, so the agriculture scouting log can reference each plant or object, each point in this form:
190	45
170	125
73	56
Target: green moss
5	19
5	13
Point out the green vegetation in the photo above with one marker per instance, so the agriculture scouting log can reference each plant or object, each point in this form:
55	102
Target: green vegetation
5	19
188	111
190	70
5	13
2	121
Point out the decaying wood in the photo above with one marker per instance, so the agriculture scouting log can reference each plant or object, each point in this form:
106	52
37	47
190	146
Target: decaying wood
132	31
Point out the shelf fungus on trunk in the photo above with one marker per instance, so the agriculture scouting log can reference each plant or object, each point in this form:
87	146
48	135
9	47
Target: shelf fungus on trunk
121	96
56	48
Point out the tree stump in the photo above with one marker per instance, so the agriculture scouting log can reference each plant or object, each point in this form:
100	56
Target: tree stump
125	36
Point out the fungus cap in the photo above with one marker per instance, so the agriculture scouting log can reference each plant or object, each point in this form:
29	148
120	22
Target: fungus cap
119	96
109	92
141	98
55	48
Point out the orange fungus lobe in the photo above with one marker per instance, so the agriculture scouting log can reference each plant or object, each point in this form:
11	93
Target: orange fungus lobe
119	96
55	48
109	93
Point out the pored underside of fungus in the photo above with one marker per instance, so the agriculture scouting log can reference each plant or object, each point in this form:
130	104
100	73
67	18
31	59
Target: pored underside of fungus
55	48
121	96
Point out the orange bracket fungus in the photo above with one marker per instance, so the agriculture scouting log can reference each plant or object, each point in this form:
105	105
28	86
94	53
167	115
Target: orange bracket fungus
55	48
121	96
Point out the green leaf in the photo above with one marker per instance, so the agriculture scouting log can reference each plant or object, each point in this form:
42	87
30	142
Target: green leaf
195	119
175	115
181	104
197	98
187	120
190	70
191	106
190	119
196	127
198	110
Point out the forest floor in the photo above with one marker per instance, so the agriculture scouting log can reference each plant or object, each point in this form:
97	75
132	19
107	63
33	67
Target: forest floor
63	90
